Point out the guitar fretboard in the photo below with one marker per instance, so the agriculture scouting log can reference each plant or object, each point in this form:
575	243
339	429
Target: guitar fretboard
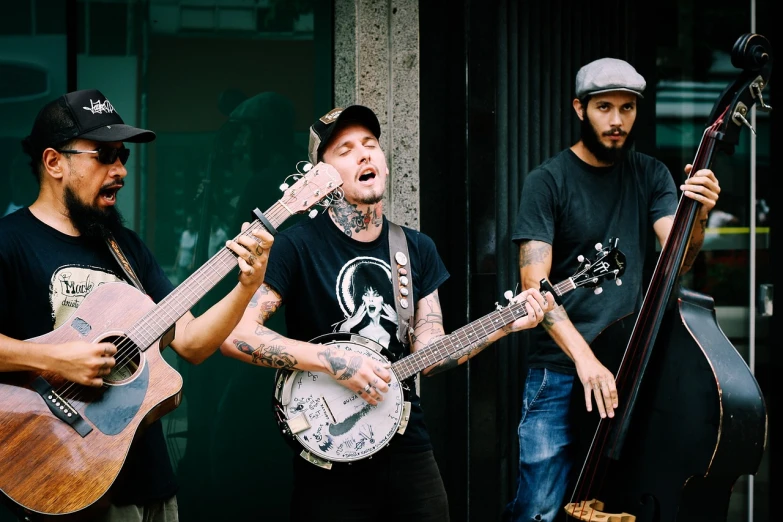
467	336
160	319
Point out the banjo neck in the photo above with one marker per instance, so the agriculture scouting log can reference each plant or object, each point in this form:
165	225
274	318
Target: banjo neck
609	263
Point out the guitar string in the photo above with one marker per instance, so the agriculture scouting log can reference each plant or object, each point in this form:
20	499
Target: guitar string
128	349
409	363
435	352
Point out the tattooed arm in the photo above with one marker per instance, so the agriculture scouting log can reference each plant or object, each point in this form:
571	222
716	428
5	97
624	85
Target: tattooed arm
254	343
428	328
535	262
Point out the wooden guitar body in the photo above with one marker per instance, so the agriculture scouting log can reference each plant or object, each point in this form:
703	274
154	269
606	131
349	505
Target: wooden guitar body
59	471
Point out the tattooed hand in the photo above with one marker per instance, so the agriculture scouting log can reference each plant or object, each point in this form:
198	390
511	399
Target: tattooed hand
536	306
363	376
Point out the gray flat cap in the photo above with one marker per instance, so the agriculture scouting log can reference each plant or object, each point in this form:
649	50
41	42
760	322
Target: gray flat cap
606	75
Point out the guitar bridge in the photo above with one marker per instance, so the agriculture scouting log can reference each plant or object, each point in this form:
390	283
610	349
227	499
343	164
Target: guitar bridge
59	407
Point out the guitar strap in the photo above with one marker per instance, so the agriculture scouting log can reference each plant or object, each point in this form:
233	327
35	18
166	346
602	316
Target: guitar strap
403	298
403	288
118	254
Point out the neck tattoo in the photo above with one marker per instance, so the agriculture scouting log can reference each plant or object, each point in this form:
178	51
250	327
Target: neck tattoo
351	219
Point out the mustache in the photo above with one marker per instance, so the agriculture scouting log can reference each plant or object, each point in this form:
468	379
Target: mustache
114	185
615	132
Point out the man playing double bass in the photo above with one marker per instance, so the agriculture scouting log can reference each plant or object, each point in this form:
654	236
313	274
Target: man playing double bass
596	189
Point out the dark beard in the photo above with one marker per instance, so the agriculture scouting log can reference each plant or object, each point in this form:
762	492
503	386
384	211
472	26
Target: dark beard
602	153
91	222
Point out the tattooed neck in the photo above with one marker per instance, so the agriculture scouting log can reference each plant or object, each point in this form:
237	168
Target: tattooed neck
354	219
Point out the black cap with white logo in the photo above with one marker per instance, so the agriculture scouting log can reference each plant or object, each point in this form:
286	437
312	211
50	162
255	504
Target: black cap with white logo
86	114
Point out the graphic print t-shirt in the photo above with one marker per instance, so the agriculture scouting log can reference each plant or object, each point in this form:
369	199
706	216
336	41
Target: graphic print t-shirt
44	277
330	282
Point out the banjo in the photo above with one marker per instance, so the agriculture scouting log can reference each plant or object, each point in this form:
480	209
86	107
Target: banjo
330	423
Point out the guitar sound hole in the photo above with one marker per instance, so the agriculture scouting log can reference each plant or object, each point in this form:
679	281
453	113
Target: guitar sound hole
127	359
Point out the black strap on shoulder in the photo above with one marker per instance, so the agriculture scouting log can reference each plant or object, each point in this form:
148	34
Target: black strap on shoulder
264	221
401	281
116	251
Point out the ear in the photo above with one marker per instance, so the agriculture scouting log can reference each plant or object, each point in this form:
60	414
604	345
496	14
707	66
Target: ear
53	163
580	111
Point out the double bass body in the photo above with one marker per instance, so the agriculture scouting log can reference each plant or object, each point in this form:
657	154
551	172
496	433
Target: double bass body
699	423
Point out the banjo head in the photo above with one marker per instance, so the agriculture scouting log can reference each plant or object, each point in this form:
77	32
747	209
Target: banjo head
329	420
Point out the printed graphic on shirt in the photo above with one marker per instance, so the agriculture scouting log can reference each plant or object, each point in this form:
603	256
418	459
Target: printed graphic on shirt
71	284
364	291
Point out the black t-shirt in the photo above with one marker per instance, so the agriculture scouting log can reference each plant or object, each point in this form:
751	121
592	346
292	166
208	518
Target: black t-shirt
573	206
321	273
44	276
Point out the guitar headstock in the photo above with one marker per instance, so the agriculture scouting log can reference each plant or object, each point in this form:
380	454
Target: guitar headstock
314	185
608	263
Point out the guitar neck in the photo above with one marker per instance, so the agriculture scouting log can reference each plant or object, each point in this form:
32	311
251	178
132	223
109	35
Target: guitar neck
467	336
160	319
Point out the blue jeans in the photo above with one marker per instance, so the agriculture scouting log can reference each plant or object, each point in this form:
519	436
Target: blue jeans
545	446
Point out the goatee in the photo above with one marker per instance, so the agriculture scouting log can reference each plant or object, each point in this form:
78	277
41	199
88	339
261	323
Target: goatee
91	222
602	153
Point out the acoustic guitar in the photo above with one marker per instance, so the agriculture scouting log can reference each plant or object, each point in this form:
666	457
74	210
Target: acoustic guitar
62	445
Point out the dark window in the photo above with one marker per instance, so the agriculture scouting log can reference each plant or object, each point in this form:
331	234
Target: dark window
21	80
16	18
50	16
108	29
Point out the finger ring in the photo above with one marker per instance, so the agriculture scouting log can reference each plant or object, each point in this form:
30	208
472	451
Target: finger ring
251	260
367	388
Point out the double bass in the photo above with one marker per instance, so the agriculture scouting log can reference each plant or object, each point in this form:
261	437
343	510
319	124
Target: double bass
691	418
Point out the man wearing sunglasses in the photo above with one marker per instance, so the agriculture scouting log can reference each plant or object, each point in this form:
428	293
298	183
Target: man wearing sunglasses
54	252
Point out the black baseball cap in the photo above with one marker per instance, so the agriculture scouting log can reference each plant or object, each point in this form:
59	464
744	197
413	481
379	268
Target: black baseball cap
84	114
321	131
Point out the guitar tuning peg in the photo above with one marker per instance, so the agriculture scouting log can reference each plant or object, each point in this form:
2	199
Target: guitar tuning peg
307	166
312	213
598	246
580	258
598	290
283	187
508	294
498	306
618	282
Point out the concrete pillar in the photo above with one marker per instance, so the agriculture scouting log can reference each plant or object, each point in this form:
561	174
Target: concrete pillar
377	64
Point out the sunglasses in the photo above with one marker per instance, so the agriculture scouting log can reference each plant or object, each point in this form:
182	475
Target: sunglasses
106	155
